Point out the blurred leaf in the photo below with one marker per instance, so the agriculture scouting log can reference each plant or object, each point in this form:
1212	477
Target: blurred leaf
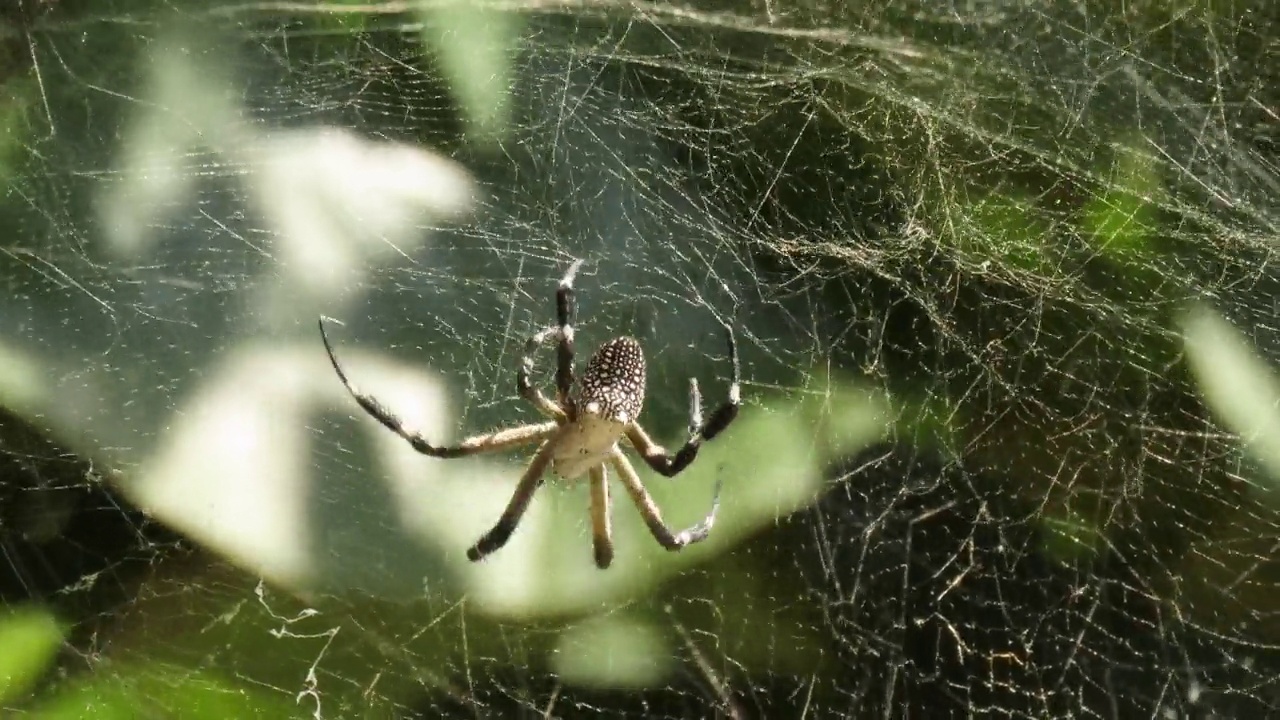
156	690
612	651
474	46
16	121
29	639
349	16
1236	383
24	382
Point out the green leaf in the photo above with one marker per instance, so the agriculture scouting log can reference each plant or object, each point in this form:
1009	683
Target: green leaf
29	639
160	690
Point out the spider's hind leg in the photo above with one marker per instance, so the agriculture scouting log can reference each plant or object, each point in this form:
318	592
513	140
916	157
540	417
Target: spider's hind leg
653	516
601	526
669	464
530	481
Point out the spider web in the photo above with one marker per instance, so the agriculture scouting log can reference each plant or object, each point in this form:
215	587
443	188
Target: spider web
1002	452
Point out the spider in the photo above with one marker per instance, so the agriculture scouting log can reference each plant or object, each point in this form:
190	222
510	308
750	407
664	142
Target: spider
584	431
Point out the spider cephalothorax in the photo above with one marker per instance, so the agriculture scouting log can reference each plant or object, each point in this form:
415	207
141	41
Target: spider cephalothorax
584	431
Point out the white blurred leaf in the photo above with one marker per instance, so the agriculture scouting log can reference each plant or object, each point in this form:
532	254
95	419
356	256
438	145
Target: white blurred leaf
1237	384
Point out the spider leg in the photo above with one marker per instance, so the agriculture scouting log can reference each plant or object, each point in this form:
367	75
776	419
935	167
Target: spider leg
564	352
477	444
529	483
601	526
669	464
653	517
525	386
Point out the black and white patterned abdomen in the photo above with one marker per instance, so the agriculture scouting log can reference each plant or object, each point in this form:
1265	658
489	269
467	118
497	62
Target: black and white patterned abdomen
613	384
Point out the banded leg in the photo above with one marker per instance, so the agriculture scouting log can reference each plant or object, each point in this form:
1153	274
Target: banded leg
564	351
601	524
653	516
669	464
500	440
529	483
563	332
525	386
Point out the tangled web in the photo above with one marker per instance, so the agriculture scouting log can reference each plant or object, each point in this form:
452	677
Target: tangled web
983	264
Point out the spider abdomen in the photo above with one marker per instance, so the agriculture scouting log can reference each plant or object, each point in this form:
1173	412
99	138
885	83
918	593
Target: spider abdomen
612	386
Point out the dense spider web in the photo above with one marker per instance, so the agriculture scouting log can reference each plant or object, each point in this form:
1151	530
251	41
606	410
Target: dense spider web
974	475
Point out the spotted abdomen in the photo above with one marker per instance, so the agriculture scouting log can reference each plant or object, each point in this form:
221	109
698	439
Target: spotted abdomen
612	386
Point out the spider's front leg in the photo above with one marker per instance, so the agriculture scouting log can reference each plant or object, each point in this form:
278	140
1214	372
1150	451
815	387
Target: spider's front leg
477	444
564	351
524	384
562	408
669	464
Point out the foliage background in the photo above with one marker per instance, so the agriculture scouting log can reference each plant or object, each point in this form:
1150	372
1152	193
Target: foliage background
1001	273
